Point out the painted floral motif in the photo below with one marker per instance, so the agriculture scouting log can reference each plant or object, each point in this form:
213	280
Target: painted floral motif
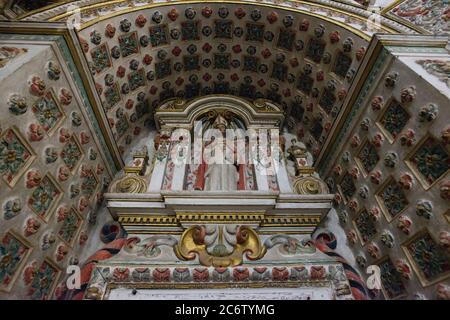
403	269
63	173
47	111
128	44
406	181
32	226
100	58
342	65
61	252
368	156
53	71
12	255
223	29
377	103
71	222
112	96
255	32
393	198
110	30
391	280
122	125
14	156
408	94
17	104
387	239
431	160
159	35
65	96
37	86
163	69
428	112
373	250
89	182
136	79
40	280
51	155
190	30
408	138
44	197
424	208
48	240
348	186
404	224
365	225
394	118
315	49
351	236
444	189
71	153
35	132
431	260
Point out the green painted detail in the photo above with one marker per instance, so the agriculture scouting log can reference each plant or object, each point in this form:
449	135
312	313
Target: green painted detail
62	45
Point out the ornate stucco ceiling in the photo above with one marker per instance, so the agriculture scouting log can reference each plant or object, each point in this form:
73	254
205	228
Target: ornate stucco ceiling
302	55
143	58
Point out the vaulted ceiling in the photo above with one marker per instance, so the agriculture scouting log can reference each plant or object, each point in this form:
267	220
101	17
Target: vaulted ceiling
141	59
303	57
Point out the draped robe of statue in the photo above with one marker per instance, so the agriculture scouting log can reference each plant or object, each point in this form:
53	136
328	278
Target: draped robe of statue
226	176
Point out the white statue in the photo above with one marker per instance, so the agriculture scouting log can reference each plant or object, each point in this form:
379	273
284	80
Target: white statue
221	174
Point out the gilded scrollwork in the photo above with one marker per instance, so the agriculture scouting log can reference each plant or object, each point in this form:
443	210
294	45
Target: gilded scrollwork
310	185
217	247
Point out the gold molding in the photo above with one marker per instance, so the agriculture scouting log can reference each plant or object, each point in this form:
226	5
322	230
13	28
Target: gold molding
148	220
220	218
